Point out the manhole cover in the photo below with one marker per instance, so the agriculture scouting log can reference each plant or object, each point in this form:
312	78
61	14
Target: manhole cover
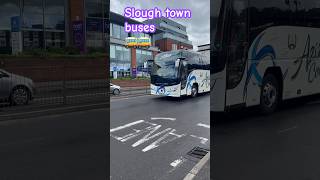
198	152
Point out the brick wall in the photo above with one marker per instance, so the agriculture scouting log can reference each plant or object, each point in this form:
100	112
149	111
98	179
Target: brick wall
166	44
56	69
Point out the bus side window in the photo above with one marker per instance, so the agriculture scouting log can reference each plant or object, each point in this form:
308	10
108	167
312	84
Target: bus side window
236	49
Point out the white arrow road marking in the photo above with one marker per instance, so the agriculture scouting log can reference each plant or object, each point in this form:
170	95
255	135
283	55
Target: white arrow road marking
203	125
160	141
163	118
126	126
203	140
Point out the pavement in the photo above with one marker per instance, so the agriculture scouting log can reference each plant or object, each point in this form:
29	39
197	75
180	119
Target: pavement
282	146
150	136
204	173
68	146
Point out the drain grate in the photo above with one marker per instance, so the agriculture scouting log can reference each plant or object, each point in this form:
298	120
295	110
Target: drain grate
198	152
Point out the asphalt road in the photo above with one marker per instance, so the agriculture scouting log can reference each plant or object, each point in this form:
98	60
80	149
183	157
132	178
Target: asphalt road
61	147
282	146
150	136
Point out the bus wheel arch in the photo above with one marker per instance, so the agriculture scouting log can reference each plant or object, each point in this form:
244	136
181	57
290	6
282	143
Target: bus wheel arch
271	90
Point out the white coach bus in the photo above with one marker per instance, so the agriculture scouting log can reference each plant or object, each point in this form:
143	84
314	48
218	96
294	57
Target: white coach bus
263	52
180	72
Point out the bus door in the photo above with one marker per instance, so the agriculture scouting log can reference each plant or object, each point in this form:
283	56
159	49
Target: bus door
237	50
183	71
218	51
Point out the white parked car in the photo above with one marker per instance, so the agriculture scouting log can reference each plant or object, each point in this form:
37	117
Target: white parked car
15	89
114	89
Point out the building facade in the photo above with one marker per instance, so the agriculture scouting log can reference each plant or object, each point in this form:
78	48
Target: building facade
173	36
127	62
51	23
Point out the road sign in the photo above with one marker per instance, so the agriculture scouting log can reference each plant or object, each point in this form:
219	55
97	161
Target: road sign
16	36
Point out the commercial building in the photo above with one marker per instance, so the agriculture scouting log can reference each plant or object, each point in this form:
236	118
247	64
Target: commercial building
43	24
173	36
204	49
127	61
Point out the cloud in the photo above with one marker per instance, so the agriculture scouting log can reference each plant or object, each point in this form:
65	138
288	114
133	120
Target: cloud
198	27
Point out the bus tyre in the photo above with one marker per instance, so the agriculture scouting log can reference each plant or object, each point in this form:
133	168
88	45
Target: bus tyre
194	91
270	94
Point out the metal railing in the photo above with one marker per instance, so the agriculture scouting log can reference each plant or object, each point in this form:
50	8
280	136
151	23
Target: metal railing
50	86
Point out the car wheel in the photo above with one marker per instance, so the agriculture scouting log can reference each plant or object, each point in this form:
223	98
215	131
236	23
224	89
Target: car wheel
270	94
20	96
194	91
116	92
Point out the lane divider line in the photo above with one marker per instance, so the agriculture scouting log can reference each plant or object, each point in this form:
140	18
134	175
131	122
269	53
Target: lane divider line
288	129
203	125
163	118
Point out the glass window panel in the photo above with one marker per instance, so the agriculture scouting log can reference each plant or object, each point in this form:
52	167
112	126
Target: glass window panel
33	6
54	7
8	9
55	39
112	52
32	39
94	24
116	31
123	34
55	22
94	8
111	30
32	21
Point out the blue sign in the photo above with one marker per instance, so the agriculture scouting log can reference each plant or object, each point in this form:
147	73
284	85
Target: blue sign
115	68
15	24
134	72
78	34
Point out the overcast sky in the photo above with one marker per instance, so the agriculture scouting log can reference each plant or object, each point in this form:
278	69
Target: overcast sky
198	27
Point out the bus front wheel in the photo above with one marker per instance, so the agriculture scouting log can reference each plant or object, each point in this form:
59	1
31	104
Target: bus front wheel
194	91
270	94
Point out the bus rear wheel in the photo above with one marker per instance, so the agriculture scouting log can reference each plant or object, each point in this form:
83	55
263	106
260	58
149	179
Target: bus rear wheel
270	94
194	91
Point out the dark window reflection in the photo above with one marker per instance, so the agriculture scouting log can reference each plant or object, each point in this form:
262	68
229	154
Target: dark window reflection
8	9
94	8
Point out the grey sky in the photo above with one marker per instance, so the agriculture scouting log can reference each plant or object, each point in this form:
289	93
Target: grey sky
198	27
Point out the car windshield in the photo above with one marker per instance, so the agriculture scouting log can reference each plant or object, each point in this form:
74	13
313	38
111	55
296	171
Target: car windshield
165	70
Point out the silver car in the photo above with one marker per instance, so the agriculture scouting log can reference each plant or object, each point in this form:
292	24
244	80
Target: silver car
15	89
114	89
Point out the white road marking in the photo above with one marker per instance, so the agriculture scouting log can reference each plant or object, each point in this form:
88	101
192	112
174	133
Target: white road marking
288	129
126	126
167	135
176	162
203	125
203	140
148	136
163	118
159	141
195	170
